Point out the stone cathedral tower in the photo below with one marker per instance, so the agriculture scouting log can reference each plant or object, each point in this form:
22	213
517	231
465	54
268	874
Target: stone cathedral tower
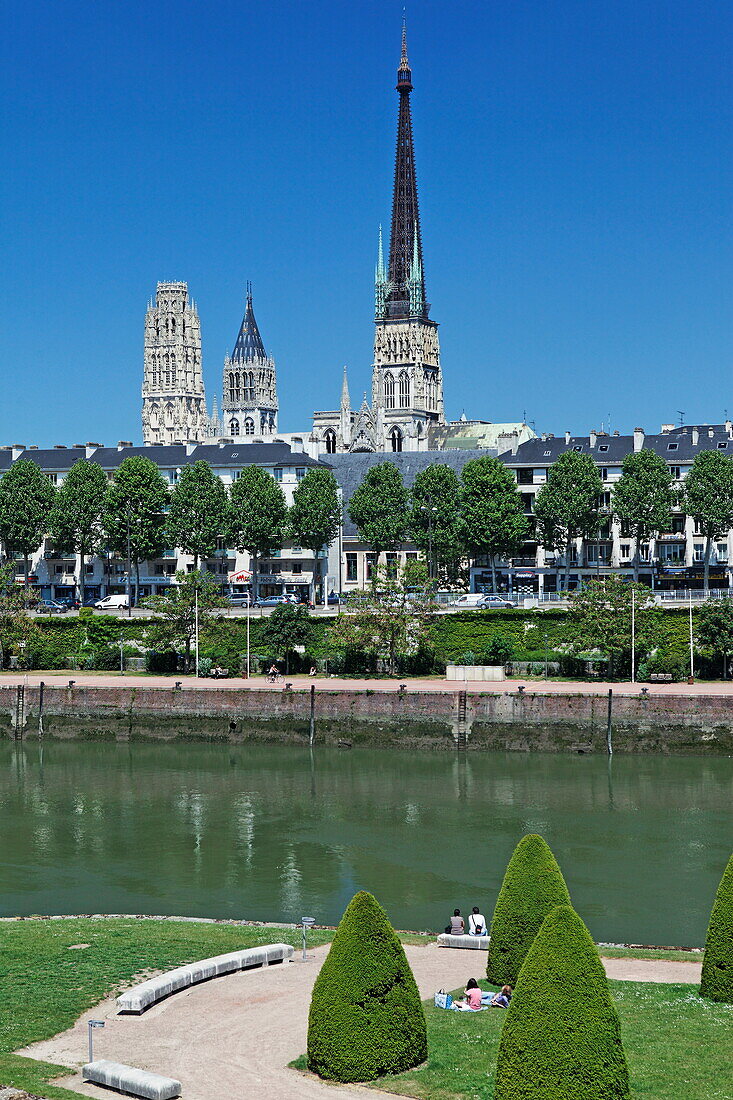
249	403
174	403
407	384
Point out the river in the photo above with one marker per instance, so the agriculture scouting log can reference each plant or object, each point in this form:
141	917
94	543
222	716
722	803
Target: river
271	832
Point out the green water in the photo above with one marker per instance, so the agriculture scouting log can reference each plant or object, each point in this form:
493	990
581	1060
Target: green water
269	832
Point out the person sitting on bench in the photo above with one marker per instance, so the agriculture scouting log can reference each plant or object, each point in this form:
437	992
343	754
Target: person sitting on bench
476	923
457	927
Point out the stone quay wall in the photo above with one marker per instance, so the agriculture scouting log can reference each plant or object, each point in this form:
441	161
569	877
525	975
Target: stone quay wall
498	720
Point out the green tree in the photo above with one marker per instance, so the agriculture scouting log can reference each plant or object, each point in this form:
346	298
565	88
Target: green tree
315	515
366	1018
259	516
533	886
493	521
380	508
717	965
561	1038
602	613
285	628
26	497
193	595
714	629
14	623
199	513
389	620
133	512
707	495
643	498
75	521
566	507
435	518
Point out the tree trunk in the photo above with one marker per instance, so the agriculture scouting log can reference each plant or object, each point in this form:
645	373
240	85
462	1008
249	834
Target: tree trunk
188	653
25	581
492	559
137	583
636	560
254	586
706	578
568	544
81	575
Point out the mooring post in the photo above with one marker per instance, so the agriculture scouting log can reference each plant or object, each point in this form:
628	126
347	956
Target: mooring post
313	713
608	726
40	708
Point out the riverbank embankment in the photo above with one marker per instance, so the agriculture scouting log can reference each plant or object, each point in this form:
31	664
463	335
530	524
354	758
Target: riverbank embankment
515	716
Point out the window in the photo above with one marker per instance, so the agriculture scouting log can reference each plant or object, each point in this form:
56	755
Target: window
674	472
625	528
389	391
672	446
249	426
277	473
53	478
547	454
234	426
604	501
330	441
603	447
577	449
391	564
296	549
604	473
411	555
404	389
351	567
625	552
678	525
644	551
722	444
721	551
296	567
300	472
89	568
699	552
371	564
525	477
395	438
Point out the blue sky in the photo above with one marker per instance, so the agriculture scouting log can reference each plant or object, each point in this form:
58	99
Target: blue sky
575	175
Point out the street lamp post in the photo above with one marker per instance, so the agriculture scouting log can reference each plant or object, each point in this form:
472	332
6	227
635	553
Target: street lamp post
431	511
547	641
92	1025
129	563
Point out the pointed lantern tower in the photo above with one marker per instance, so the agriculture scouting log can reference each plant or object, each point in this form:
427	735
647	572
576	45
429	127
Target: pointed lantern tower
249	402
407	383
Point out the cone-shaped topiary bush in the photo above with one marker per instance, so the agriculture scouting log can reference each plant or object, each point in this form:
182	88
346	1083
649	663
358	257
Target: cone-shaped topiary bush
366	1018
533	886
561	1038
717	963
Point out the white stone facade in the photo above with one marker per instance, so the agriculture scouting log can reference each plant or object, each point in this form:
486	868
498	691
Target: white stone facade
174	402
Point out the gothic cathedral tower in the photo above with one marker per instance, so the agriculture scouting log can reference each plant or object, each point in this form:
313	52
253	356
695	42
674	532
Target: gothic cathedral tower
249	404
174	404
407	383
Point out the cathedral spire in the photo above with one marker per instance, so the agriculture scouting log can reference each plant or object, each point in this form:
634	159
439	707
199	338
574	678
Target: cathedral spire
345	398
249	346
405	229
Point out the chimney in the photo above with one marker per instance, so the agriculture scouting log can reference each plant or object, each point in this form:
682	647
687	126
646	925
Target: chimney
615	434
695	437
190	448
122	444
592	439
667	428
711	432
18	449
296	446
59	446
567	437
728	427
90	448
33	447
638	438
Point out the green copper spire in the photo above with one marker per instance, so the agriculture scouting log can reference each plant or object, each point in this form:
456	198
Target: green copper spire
380	281
414	282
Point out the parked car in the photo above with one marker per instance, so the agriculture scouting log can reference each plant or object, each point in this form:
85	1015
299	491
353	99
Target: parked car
468	600
271	601
50	607
113	603
71	603
333	598
488	602
240	600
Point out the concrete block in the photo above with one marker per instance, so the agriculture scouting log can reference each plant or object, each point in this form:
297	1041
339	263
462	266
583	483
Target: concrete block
135	1082
477	943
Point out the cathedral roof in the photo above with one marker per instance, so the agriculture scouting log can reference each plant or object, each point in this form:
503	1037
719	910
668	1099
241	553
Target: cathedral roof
249	347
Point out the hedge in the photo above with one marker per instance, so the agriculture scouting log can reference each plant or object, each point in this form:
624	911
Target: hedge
561	1039
366	1018
533	886
717	964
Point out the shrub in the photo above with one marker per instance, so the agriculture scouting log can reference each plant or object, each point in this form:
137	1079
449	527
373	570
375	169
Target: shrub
533	886
366	1018
717	964
164	663
561	1039
499	651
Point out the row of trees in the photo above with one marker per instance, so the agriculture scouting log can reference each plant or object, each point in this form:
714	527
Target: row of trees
568	506
138	516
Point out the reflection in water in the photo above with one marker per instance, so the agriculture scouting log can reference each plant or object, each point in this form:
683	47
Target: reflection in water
270	832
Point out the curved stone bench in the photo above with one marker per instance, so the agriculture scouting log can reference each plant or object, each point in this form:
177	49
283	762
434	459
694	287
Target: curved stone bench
155	989
478	943
135	1082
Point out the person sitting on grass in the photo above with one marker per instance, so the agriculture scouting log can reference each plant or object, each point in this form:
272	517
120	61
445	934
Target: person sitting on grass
502	998
457	926
476	923
471	996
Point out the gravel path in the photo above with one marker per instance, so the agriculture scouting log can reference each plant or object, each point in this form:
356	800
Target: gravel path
243	1029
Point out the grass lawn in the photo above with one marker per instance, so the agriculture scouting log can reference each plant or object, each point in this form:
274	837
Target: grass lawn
46	987
677	1045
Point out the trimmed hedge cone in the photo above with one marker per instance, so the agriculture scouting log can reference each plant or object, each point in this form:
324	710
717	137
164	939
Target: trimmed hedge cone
533	886
366	1018
717	963
561	1038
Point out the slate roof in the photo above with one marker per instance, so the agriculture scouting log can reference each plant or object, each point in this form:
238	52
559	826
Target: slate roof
350	469
249	347
170	456
676	447
53	458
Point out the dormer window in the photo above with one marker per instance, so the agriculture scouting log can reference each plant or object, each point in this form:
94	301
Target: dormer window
547	454
603	447
672	446
578	449
722	444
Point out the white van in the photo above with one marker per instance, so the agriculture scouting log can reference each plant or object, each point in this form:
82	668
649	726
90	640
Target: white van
113	603
469	599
